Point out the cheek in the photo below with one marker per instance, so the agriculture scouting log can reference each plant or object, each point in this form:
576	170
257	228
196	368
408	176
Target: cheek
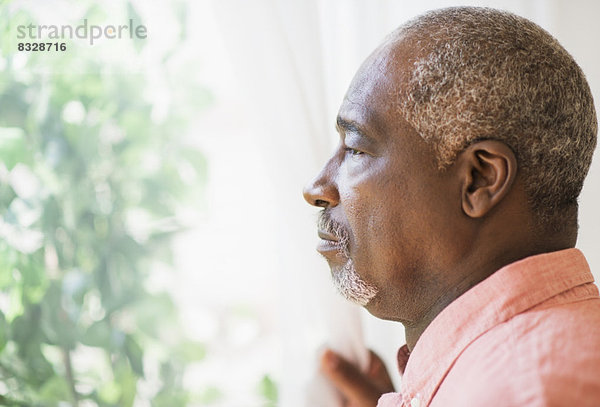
393	211
377	209
366	199
395	221
362	196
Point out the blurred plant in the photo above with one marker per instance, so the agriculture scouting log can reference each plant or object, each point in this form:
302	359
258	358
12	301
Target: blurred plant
268	389
90	185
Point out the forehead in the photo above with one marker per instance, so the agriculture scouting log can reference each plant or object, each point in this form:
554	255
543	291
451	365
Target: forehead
377	88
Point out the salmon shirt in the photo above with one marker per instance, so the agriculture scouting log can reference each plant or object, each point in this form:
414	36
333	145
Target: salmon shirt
528	335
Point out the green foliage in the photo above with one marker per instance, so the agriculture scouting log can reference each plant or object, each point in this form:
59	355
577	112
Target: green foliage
90	186
268	390
210	395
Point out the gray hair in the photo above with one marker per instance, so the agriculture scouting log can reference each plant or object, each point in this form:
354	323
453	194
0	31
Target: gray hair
489	74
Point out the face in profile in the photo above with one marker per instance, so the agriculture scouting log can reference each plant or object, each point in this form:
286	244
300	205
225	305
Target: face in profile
384	220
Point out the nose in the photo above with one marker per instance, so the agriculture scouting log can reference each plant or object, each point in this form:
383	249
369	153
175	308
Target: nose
322	191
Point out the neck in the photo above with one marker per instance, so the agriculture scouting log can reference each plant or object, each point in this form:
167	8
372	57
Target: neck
483	263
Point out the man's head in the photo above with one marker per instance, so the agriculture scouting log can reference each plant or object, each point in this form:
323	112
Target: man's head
487	74
465	139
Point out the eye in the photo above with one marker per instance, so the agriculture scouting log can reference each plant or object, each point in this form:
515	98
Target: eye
353	152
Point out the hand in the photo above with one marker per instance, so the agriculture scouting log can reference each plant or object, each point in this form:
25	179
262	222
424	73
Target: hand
358	389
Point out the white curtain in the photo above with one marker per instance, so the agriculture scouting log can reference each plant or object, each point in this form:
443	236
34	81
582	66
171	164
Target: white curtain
293	61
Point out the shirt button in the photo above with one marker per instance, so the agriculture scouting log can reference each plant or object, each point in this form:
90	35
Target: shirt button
415	402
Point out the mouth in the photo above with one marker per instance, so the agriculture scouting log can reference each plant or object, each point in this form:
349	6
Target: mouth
327	236
334	238
328	244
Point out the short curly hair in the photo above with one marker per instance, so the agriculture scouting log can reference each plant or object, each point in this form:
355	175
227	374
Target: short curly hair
489	74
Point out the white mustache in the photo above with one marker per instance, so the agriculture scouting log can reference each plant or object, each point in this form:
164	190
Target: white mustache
326	224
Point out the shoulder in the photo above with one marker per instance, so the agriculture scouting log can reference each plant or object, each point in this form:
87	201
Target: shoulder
547	356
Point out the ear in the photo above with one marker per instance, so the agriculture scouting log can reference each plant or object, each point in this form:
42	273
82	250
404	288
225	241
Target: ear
488	169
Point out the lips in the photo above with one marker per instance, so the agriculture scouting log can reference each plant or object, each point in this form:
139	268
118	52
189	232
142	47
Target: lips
333	244
329	244
327	236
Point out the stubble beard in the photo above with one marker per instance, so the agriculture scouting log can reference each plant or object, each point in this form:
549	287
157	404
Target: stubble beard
345	279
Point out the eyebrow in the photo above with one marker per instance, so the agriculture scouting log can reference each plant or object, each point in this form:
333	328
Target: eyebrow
347	125
350	126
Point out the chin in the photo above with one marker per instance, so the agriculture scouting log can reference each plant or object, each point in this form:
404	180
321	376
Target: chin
373	306
351	285
377	308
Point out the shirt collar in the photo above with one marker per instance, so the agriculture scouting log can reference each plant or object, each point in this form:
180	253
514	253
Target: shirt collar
506	293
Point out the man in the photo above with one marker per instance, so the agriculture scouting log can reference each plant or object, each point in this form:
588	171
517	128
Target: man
450	205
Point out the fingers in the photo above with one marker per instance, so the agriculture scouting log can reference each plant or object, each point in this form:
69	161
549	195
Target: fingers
357	387
379	374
